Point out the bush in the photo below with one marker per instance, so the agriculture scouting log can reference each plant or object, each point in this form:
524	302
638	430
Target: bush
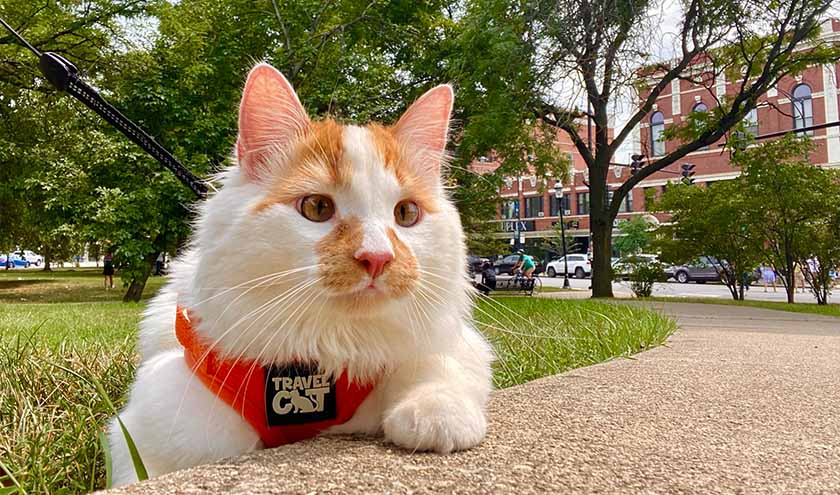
643	273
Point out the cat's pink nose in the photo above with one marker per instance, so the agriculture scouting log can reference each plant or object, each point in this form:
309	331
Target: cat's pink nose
374	263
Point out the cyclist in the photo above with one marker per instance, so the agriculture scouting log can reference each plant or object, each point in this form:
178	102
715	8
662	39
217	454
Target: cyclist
526	264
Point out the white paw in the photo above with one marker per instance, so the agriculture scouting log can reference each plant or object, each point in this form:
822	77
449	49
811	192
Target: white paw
435	419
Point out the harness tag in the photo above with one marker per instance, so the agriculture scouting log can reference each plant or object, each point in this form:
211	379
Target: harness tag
297	393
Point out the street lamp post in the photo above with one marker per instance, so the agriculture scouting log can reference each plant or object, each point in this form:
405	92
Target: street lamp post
558	193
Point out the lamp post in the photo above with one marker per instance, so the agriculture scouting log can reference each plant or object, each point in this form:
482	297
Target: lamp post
558	193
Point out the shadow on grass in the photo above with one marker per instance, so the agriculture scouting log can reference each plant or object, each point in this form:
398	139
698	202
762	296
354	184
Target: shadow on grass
65	286
14	284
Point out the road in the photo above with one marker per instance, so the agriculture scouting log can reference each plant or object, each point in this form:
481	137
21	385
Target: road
691	289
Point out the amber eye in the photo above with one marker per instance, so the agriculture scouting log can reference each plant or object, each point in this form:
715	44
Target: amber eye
407	213
317	208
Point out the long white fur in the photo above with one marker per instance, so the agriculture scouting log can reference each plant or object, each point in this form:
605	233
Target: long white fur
433	368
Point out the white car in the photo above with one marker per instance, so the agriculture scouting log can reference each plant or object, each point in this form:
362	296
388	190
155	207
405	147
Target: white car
579	265
30	256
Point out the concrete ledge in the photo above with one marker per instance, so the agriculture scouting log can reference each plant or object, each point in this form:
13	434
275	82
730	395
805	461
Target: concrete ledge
717	411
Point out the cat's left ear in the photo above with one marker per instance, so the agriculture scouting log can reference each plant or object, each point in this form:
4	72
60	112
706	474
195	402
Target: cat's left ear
271	119
425	125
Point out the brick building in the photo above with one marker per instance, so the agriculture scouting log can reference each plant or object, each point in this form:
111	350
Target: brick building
531	199
796	102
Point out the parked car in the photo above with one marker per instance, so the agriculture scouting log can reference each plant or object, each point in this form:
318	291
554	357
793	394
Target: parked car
579	265
701	270
17	261
622	266
504	266
32	257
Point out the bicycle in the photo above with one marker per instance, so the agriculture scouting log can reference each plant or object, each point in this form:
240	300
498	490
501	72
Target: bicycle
527	285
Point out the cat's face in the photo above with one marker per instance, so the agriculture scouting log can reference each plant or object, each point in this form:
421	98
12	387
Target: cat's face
340	223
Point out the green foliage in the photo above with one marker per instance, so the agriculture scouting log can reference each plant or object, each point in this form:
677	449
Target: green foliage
643	273
634	235
794	209
781	211
714	222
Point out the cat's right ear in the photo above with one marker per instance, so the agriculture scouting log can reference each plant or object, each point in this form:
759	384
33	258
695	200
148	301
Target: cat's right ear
271	118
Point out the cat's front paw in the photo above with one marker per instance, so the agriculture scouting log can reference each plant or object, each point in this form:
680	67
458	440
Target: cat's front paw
437	420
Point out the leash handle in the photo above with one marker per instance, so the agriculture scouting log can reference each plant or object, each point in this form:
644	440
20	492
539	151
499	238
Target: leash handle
63	75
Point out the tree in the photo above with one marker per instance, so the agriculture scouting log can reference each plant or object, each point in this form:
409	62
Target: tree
823	248
600	45
789	203
634	236
715	222
44	146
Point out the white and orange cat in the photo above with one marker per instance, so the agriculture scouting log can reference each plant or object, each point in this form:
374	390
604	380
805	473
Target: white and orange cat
332	245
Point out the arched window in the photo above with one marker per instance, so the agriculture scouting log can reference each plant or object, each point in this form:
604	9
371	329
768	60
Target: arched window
701	107
657	127
803	112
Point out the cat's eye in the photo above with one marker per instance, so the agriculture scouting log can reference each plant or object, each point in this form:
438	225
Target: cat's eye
317	207
406	213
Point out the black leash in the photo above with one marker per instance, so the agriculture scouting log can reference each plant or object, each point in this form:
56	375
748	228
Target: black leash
65	77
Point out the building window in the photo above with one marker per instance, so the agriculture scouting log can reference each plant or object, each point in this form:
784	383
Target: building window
627	204
751	122
803	112
583	203
533	206
650	197
555	204
657	127
509	209
701	108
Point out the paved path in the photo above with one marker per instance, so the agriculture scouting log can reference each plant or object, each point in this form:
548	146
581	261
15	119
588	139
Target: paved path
741	400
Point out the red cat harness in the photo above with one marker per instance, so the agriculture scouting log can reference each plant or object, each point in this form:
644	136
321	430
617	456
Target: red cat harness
283	403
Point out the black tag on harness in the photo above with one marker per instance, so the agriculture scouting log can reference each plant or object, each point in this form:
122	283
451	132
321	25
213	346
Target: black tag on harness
297	394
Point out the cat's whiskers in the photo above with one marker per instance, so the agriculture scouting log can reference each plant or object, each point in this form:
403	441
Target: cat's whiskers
273	279
270	345
290	296
216	341
272	276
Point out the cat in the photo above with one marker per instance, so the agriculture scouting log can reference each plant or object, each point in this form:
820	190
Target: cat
328	244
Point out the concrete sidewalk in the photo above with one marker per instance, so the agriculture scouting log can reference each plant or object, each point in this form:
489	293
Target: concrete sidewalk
741	400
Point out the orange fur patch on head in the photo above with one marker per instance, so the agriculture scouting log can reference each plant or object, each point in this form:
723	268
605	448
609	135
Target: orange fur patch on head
316	161
397	158
339	269
402	271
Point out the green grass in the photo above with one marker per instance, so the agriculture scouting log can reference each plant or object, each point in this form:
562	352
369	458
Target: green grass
540	337
827	310
50	418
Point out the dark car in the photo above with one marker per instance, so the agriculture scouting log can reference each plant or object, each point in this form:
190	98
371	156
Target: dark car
504	266
701	270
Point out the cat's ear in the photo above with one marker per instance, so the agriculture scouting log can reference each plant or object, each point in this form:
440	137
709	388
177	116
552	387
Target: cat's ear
425	125
271	118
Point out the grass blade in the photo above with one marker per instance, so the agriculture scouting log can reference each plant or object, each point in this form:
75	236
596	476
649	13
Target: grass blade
106	452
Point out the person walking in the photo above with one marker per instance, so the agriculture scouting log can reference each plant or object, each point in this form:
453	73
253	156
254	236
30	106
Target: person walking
108	271
768	276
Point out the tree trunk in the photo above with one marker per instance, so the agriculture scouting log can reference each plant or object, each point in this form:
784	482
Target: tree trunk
138	283
47	260
601	227
791	285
